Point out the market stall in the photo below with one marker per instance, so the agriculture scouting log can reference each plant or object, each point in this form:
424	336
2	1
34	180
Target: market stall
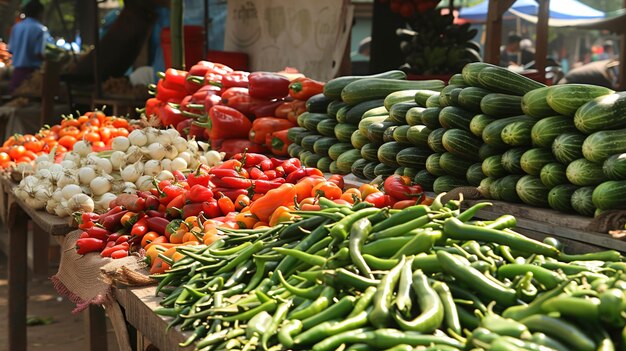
269	210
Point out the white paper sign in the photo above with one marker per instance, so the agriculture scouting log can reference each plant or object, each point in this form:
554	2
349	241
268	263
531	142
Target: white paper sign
308	35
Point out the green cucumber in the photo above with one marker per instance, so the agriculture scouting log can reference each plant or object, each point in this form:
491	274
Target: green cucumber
425	179
447	182
343	132
518	133
511	160
501	105
600	145
413	157
327	127
378	88
470	97
370	152
492	167
432	165
357	139
614	167
470	73
414	116
531	191
346	159
383	170
418	135
547	129
568	147
454	165
318	103
435	140
455	117
553	174
322	145
387	153
492	134
502	80
399	111
430	117
610	195
358	166
566	99
535	103
479	123
376	111
365	122
338	149
357	112
582	201
533	160
585	173
323	164
334	87
560	197
400	134
398	97
334	107
422	95
474	174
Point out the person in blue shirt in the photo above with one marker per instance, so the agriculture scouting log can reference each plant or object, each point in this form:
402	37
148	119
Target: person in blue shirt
27	43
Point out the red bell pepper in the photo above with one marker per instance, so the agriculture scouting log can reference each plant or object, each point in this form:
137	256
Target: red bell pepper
400	188
227	123
170	116
98	233
264	126
211	209
240	99
199	193
266	109
152	106
199	96
291	165
157	224
249	158
86	245
175	78
267	85
192	209
279	143
235	79
184	126
199	177
303	88
169	94
380	199
234	146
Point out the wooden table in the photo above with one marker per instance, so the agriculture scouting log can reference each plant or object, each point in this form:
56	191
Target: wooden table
46	225
539	223
139	304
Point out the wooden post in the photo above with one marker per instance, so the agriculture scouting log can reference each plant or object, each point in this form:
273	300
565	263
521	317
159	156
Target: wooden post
177	33
622	61
97	91
385	51
494	29
95	328
541	46
17	282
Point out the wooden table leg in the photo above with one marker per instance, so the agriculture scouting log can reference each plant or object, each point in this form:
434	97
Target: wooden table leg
18	286
95	328
41	246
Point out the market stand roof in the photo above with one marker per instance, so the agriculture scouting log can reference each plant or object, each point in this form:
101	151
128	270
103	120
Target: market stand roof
559	10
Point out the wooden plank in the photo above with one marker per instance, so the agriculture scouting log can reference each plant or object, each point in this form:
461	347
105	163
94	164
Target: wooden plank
40	249
17	278
95	328
139	304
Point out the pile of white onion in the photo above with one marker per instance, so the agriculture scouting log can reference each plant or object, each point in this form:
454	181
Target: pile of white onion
87	181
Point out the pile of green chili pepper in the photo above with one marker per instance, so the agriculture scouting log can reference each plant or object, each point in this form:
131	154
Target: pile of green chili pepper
422	278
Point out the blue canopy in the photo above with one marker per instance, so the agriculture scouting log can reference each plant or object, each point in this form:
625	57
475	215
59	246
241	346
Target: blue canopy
559	9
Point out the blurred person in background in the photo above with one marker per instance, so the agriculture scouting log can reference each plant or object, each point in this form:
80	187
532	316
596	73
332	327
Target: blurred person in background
27	43
510	53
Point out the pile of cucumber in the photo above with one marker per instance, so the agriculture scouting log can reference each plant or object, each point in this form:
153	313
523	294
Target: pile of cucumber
515	139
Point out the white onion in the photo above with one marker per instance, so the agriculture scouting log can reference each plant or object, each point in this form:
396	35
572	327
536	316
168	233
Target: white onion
91	159
132	172
43	165
20	193
164	138
152	167
192	146
82	148
43	173
104	165
103	201
51	205
118	159
156	151
100	185
171	152
57	195
70	190
72	156
30	181
67	178
138	137
185	155
42	193
165	175
120	143
68	164
133	154
179	164
144	183
166	164
86	190
42	158
213	157
180	144
56	168
34	203
80	202
61	210
86	175
152	134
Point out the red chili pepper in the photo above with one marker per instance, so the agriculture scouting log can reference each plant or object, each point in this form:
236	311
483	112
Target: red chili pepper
235	79
211	209
296	175
256	173
122	239
153	213
231	182
400	188
109	250
174	207
179	176
152	203
291	165
303	88
266	165
199	193
250	158
119	254
157	224
86	245
337	180
271	174
263	186
87	217
140	228
380	199
113	238
280	172
200	176
192	209
98	233
230	193
112	211
83	235
267	85
226	205
130	202
224	172
169	192
113	222
234	146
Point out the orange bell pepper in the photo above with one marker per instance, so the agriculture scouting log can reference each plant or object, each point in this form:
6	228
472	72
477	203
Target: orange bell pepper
264	126
303	88
306	185
267	204
280	215
279	143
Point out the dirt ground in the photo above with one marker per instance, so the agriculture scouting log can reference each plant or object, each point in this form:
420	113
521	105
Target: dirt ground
66	332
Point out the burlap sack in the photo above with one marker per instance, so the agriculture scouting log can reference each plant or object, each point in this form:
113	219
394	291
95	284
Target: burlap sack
80	277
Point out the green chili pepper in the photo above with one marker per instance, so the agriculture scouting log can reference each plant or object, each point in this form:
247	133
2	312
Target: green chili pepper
260	272
317	306
336	311
455	229
428	263
384	338
358	347
406	227
430	305
422	242
503	222
343	278
473	278
520	312
504	326
339	231
451	315
364	301
358	234
322	244
277	319
560	329
544	276
309	293
223	335
403	297
564	267
310	259
302	227
401	217
471	212
230	251
611	307
243	256
327	329
573	307
168	312
403	347
467	319
607	256
268	306
289	262
380	315
288	329
543	339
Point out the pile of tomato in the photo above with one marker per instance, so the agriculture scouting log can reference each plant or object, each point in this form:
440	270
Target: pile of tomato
94	127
